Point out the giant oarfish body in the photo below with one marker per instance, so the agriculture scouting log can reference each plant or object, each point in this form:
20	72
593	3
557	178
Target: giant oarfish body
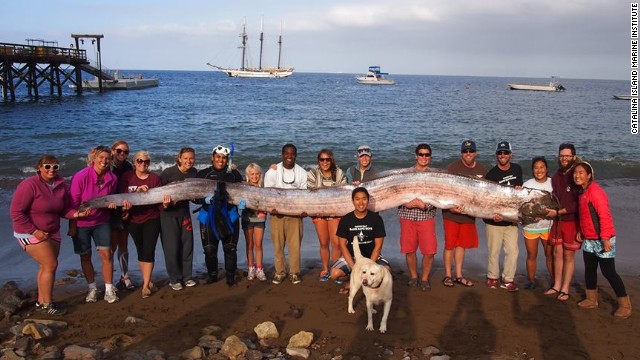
479	197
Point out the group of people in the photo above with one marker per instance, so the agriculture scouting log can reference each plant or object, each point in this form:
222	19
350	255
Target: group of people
583	221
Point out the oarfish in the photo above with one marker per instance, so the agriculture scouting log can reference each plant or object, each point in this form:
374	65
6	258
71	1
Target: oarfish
478	197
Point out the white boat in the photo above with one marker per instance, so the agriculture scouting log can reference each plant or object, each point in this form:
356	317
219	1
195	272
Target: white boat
375	77
623	97
553	86
120	82
256	72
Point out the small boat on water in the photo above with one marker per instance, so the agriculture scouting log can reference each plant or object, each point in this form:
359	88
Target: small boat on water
120	82
375	77
256	72
623	97
553	86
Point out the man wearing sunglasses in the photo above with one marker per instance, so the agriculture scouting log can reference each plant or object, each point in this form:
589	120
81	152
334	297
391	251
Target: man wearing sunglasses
460	232
216	218
503	234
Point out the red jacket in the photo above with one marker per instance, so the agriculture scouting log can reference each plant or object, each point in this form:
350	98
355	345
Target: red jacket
600	212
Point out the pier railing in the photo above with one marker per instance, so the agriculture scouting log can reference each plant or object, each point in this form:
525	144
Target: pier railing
27	53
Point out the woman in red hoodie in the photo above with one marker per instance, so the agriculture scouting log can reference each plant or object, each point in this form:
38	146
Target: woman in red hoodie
599	246
36	208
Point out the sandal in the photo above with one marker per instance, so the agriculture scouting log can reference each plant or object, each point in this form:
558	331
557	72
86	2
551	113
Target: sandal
344	291
447	281
425	286
463	281
552	291
563	296
413	282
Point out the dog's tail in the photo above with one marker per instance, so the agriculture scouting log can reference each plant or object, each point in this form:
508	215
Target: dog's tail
356	249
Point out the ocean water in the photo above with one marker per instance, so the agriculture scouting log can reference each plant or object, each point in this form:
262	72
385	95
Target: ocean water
313	111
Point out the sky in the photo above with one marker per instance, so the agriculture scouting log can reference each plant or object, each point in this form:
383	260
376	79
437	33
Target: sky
586	39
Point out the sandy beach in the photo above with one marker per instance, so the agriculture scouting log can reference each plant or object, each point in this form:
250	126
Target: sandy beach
464	323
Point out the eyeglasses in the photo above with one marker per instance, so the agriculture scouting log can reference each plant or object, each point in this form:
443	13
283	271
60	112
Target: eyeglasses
324	159
221	150
51	166
424	154
120	151
503	152
468	151
146	162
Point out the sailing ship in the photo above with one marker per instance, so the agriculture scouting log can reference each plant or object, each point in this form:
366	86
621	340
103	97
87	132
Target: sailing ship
259	72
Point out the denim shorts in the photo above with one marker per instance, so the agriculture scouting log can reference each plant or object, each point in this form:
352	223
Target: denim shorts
101	235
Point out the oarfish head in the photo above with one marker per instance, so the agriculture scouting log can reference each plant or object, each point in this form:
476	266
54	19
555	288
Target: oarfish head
536	209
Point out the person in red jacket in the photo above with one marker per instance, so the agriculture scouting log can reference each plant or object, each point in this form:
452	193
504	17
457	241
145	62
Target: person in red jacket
599	241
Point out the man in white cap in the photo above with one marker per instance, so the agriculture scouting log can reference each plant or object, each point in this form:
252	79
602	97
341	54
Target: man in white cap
503	234
363	170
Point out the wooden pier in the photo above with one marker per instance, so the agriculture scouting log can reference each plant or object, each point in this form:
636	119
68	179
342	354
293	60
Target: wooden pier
39	64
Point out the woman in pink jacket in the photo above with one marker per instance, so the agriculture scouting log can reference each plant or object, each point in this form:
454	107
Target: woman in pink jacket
599	236
36	208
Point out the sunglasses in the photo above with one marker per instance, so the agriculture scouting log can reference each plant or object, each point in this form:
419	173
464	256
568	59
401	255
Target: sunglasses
146	162
468	151
324	159
120	151
503	152
51	166
424	154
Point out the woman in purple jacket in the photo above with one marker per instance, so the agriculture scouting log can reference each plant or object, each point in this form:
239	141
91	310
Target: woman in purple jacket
36	208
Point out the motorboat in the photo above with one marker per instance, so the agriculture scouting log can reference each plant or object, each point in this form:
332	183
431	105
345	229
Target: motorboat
624	97
553	86
375	77
120	82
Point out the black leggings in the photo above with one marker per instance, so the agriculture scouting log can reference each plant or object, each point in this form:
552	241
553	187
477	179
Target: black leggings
145	237
608	269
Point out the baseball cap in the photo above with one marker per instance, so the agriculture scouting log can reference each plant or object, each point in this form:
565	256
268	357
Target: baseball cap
503	146
468	145
364	150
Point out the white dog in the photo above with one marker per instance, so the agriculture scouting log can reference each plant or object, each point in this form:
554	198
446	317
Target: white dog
376	283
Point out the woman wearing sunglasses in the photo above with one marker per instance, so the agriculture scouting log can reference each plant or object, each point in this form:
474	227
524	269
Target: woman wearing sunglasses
326	174
120	235
36	208
143	222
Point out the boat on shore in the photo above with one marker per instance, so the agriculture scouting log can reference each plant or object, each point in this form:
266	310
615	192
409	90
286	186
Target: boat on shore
120	82
623	97
245	71
375	77
553	86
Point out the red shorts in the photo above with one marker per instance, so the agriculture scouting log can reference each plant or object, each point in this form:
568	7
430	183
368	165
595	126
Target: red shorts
414	234
459	235
566	235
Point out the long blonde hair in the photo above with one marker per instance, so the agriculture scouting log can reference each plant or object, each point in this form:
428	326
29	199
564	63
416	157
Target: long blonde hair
254	166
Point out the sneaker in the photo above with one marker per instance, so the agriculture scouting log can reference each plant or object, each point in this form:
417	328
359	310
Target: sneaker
128	284
211	278
110	297
52	309
492	283
325	276
278	279
260	275
509	286
531	285
177	286
190	283
92	296
252	273
295	279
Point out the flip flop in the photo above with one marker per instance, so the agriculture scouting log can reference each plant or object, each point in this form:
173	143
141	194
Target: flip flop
413	282
552	291
447	281
563	296
463	281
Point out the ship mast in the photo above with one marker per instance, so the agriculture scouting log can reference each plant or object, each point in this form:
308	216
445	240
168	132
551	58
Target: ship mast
244	43
280	46
261	39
